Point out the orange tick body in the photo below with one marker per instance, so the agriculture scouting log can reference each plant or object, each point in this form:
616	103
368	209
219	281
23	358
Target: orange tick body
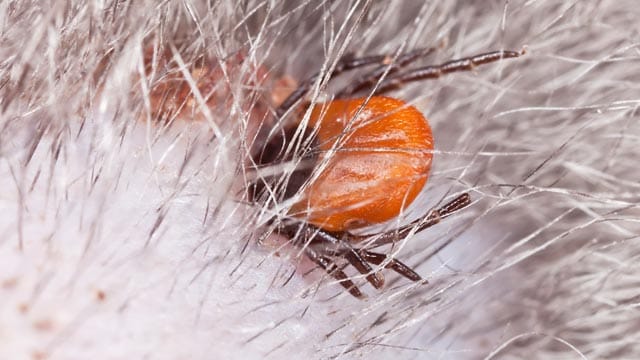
376	156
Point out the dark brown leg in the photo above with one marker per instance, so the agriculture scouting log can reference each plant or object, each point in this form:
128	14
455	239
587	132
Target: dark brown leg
321	246
329	245
436	71
369	79
393	264
361	264
432	218
332	269
346	64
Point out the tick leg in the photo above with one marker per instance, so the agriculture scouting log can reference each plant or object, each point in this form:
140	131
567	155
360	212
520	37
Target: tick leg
332	269
369	79
454	205
395	265
361	264
344	64
432	218
436	71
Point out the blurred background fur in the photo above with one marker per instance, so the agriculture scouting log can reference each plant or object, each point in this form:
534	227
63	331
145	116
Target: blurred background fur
126	236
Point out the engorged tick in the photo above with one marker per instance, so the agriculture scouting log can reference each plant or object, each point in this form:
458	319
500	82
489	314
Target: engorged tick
356	162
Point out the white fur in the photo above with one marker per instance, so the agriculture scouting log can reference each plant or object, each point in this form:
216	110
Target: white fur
543	265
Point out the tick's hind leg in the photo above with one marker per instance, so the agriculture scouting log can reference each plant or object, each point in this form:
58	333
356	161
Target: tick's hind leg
328	247
361	260
327	250
390	263
332	269
432	218
358	261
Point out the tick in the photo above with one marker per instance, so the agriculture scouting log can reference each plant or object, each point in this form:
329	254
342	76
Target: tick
353	162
